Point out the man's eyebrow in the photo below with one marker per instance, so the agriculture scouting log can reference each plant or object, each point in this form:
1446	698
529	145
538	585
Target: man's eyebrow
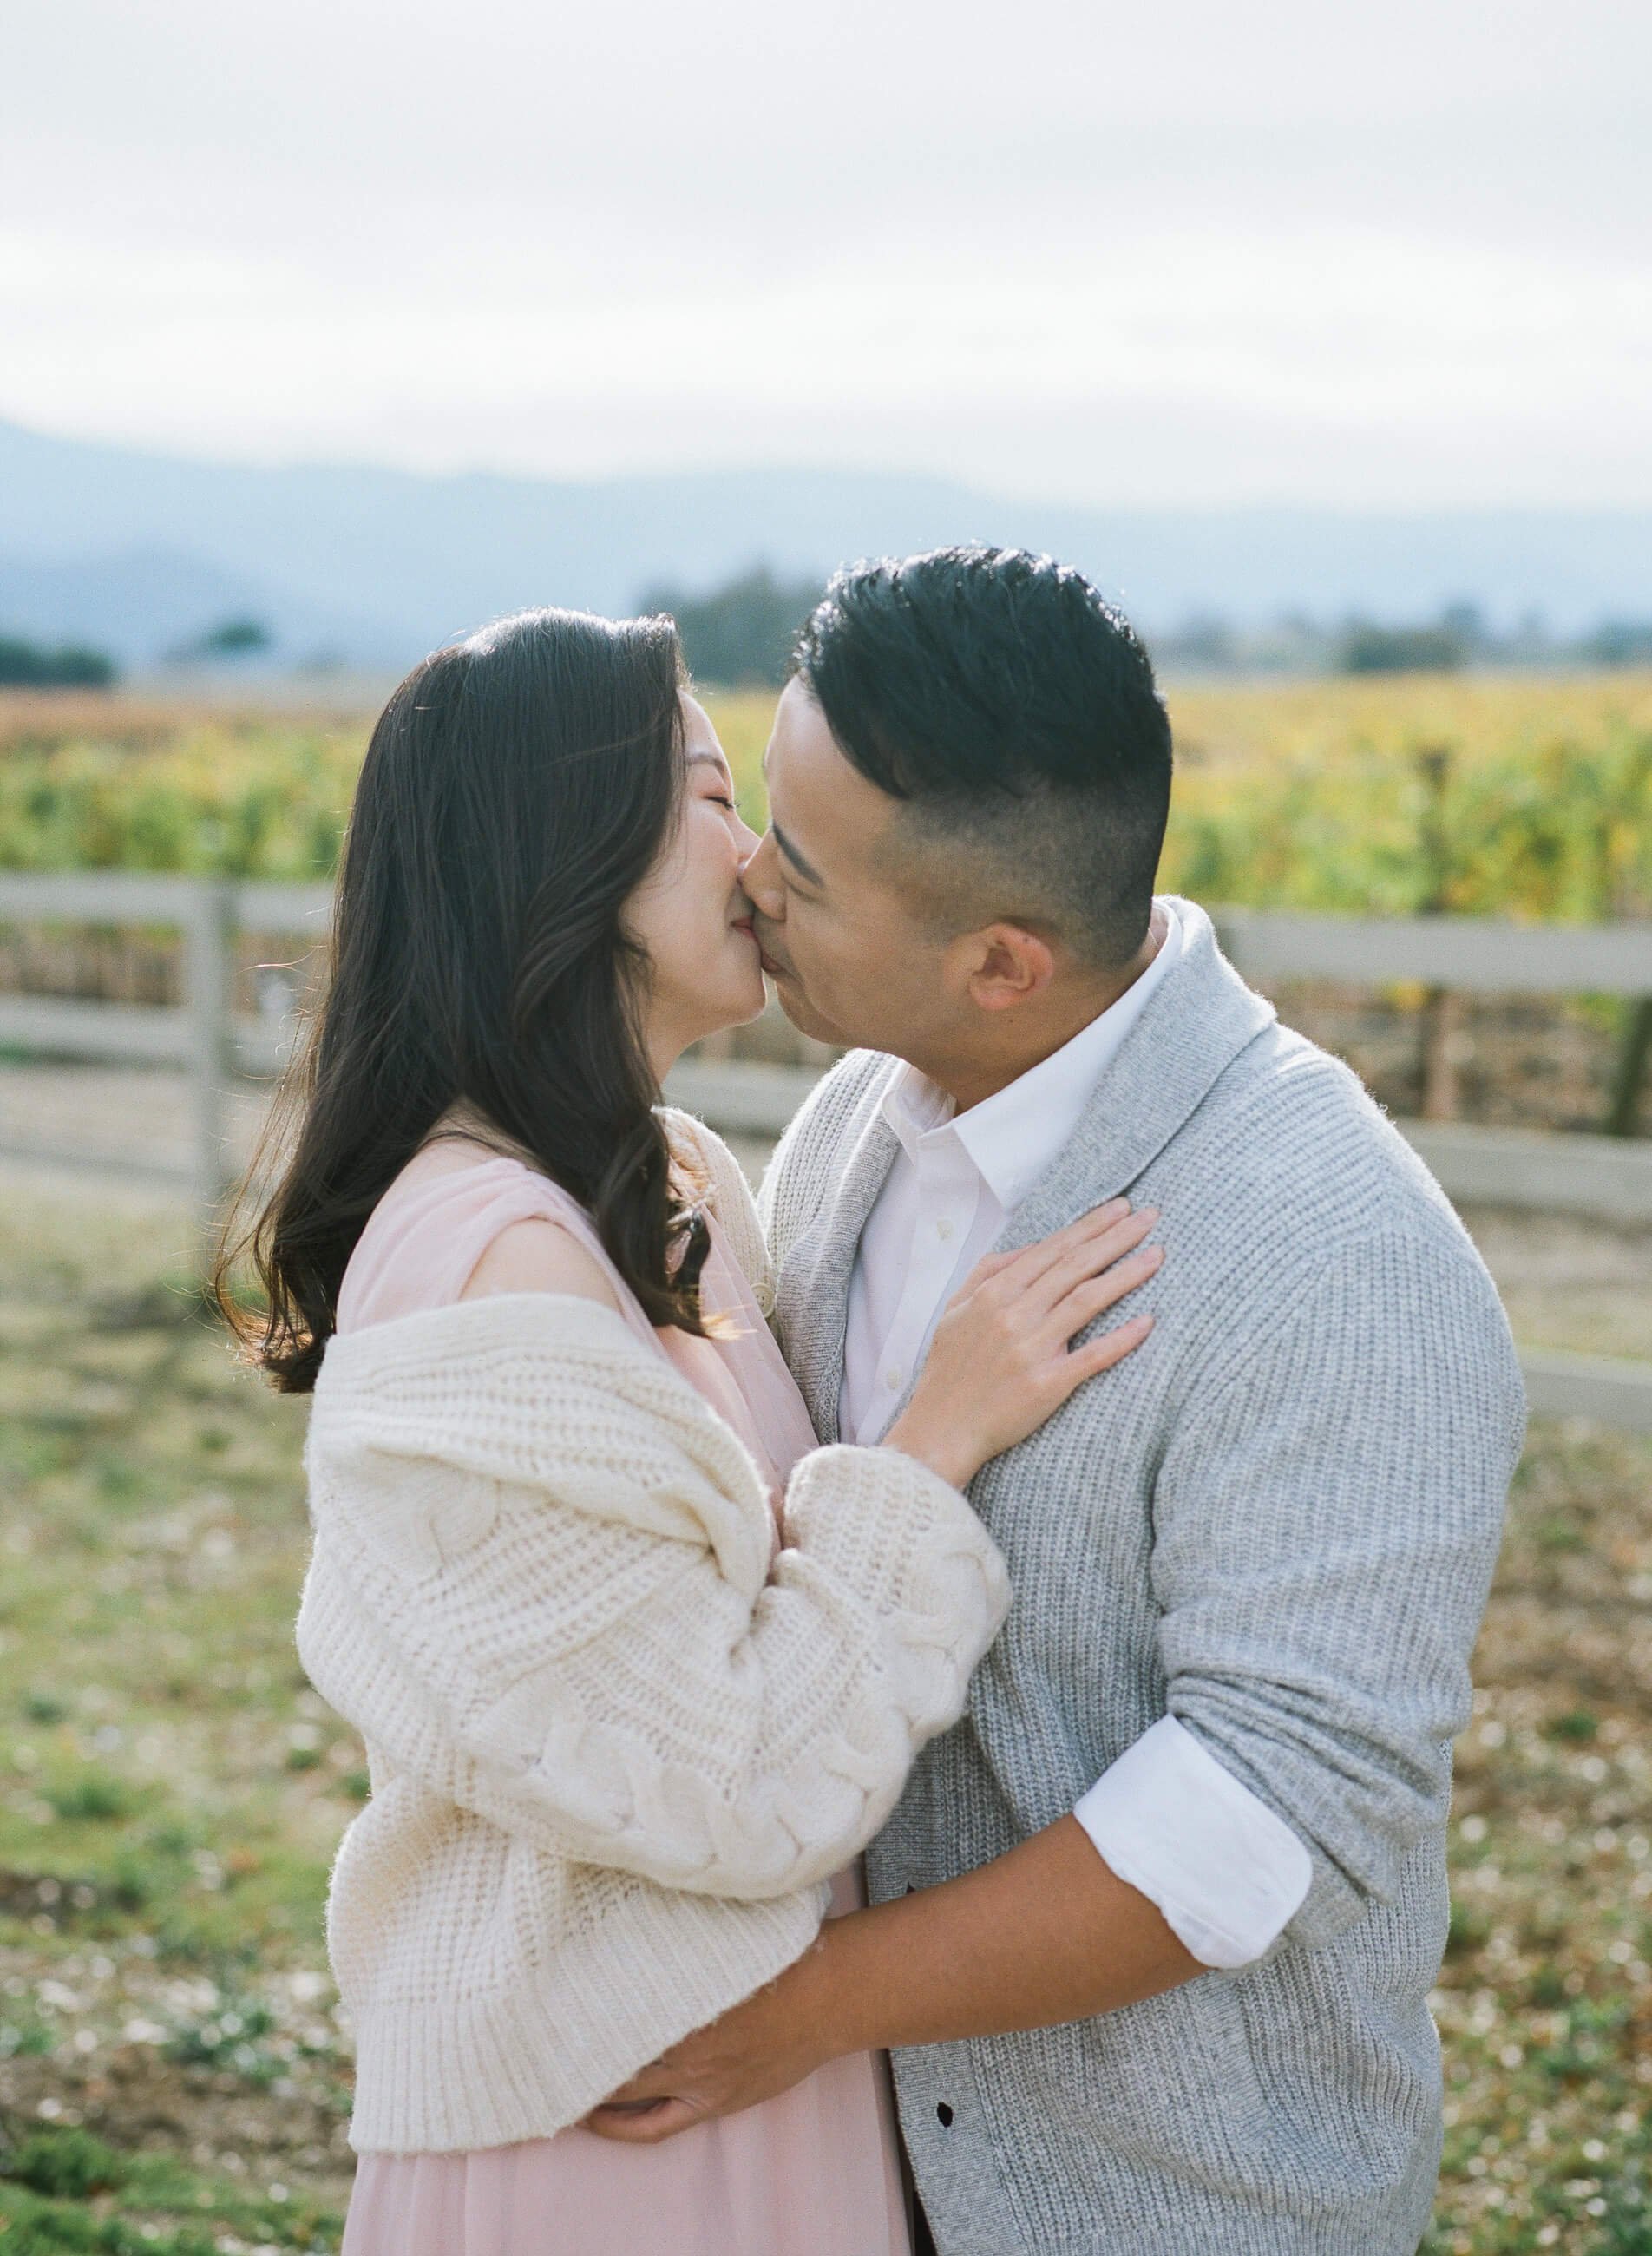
810	876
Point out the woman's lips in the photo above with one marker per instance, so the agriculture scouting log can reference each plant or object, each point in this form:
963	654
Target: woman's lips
749	925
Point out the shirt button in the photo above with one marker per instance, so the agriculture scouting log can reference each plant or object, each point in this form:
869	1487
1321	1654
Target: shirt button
944	1227
892	1378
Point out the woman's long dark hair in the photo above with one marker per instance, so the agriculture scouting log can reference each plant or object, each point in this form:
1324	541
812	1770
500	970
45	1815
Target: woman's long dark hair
518	788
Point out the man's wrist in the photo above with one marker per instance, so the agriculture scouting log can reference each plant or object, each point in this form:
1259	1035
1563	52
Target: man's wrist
823	1994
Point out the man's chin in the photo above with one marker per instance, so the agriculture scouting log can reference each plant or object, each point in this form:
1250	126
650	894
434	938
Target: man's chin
789	994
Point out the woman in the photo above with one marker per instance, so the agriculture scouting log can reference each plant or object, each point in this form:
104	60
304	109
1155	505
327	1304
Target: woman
639	1667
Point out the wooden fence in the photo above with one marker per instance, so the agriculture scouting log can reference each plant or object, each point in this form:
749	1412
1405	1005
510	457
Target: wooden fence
1603	1177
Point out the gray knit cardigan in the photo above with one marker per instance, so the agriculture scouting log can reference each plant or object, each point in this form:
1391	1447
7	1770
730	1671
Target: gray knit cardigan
1277	1521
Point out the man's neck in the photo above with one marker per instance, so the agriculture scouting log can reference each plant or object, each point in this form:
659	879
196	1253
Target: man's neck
1013	1042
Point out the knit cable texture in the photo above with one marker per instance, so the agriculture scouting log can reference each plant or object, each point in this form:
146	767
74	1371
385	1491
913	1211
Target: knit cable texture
616	1751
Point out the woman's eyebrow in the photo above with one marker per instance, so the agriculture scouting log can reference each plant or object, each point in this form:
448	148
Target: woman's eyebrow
712	760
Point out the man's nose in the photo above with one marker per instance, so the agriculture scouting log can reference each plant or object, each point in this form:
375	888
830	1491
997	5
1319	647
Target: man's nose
760	877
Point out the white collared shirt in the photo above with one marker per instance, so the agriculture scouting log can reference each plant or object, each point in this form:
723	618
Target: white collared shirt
1226	1871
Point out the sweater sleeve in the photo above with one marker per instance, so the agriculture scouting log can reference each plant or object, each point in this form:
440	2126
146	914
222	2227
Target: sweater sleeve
1322	1574
591	1652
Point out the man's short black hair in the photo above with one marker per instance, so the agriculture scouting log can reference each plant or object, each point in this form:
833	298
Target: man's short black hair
1014	710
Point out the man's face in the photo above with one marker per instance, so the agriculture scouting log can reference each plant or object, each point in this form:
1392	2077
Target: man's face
851	960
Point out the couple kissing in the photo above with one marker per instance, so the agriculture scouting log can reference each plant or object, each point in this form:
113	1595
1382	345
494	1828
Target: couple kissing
914	1713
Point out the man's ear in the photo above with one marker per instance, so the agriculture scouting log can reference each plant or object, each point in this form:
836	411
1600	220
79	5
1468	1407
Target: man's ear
1006	964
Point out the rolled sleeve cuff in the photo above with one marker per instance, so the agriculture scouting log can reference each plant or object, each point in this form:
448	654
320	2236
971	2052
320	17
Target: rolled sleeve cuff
1227	1872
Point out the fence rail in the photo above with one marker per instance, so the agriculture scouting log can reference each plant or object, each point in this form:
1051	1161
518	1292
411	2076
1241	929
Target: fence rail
1606	1178
1480	955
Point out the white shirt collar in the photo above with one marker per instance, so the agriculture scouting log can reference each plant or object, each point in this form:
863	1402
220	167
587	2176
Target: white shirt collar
1013	1136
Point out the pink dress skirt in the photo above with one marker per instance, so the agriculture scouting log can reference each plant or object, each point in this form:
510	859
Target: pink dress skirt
816	2171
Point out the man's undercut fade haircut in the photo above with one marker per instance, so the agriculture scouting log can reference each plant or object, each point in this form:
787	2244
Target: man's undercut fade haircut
1013	711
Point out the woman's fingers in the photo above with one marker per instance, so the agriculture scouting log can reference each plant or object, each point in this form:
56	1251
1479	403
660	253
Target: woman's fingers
1089	1259
1000	1361
1030	1263
1087	1299
1107	1349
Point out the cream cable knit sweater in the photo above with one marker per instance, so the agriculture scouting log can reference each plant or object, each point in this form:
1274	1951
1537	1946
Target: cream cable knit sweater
615	1753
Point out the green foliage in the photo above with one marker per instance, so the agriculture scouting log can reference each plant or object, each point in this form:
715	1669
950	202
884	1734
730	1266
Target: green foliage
1621	642
24	2038
231	2037
236	637
71	2164
89	1795
1301	795
264	797
64	2192
1323	796
70	666
1369	649
740	634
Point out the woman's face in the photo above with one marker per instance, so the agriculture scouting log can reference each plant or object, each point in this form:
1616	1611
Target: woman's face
690	914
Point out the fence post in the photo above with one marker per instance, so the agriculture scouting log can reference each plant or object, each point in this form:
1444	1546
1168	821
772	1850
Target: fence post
1442	1006
1626	1081
210	960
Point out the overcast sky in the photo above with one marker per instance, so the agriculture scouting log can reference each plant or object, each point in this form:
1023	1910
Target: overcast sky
1185	253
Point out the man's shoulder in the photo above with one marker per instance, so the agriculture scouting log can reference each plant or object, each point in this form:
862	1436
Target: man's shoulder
1292	1137
850	1077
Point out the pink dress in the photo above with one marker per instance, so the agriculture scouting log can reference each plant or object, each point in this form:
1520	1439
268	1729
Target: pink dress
816	2171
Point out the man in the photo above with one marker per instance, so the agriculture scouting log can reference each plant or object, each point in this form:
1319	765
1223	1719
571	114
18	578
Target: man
1154	1927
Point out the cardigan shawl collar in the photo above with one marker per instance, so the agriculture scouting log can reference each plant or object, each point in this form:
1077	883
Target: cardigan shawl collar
1199	1019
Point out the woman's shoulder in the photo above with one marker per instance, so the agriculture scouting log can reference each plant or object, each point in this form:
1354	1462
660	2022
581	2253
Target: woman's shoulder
538	1253
453	1213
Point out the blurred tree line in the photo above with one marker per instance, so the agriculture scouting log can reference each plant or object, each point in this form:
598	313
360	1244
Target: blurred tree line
739	635
67	666
1458	639
29	665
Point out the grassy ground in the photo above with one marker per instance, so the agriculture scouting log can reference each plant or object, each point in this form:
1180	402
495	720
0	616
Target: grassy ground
170	1790
173	2076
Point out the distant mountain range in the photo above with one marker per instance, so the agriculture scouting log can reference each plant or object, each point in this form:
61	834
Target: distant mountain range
138	552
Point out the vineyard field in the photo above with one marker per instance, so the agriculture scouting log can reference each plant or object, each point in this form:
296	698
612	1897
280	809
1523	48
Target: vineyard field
1500	796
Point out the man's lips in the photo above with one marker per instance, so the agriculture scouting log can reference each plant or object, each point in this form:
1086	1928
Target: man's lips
774	971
